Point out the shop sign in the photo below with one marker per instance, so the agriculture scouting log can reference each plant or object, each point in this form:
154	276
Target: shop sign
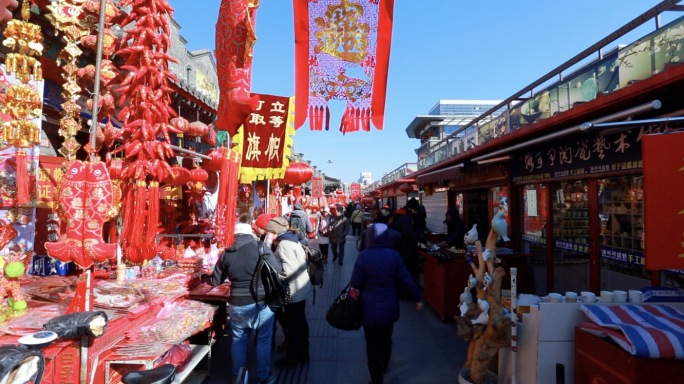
533	238
355	191
663	203
583	155
571	246
49	174
622	255
317	187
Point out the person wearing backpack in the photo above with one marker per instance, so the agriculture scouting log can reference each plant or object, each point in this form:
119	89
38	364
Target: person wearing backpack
237	264
294	270
299	222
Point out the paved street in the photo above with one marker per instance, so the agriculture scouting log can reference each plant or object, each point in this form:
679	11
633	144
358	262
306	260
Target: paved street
425	350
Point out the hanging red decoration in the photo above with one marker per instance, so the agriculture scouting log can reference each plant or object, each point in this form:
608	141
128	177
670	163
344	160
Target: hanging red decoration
406	188
298	173
297	191
181	176
347	63
213	164
198	175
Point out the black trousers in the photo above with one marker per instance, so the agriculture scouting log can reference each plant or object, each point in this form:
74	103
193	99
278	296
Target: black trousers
298	342
378	350
356	228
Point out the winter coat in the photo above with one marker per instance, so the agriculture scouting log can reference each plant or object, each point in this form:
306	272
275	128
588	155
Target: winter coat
339	229
294	270
357	216
379	273
237	264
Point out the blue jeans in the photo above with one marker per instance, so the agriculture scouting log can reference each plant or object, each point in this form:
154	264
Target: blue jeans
244	320
338	251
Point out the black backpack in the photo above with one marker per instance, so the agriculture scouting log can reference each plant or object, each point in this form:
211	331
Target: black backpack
277	290
314	265
297	222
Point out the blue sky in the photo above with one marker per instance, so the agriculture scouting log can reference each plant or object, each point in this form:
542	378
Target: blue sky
441	49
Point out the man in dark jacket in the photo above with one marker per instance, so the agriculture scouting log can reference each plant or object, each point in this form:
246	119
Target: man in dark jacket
402	223
237	264
379	273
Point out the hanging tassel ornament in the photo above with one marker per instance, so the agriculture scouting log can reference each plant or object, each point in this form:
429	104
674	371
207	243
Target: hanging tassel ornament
22	179
22	102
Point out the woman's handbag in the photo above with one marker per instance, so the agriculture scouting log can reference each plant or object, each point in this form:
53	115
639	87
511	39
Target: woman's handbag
345	311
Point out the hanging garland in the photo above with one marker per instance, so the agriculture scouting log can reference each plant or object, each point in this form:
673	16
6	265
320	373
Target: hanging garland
146	121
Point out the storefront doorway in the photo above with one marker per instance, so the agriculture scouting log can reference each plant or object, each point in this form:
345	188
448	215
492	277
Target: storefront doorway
477	211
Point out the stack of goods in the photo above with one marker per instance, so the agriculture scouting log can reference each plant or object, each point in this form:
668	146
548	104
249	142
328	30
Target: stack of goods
189	266
175	323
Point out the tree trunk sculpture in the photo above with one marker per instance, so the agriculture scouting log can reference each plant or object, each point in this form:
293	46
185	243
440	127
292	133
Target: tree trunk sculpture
485	339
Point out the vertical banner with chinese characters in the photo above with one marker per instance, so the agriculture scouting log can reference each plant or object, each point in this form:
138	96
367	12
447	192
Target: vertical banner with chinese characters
265	140
355	191
342	53
663	203
49	174
316	187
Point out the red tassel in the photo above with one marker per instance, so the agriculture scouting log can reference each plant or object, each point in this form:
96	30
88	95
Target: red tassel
22	179
138	230
367	120
327	118
319	123
152	213
312	120
128	214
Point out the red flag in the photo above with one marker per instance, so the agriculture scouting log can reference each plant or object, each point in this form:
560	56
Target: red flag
354	71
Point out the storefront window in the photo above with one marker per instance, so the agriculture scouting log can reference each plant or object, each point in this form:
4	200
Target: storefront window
534	221
621	212
571	220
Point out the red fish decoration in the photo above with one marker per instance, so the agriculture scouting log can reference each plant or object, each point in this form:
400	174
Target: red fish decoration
87	199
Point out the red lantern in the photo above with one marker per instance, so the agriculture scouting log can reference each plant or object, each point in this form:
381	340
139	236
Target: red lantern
198	175
213	164
297	191
181	176
406	188
298	173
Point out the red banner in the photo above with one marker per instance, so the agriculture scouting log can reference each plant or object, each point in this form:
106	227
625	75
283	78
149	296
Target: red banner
265	140
316	187
355	191
663	203
342	59
49	174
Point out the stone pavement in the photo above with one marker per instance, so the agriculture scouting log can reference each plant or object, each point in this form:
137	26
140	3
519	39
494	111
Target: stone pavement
424	351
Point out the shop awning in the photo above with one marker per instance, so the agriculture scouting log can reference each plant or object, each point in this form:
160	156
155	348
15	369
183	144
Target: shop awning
447	173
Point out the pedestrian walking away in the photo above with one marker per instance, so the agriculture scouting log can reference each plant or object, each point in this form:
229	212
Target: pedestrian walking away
379	273
339	230
294	270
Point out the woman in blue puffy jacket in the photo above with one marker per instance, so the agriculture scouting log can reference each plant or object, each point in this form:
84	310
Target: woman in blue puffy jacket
379	273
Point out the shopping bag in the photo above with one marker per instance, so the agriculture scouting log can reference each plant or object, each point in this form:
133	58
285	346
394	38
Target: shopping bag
345	311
